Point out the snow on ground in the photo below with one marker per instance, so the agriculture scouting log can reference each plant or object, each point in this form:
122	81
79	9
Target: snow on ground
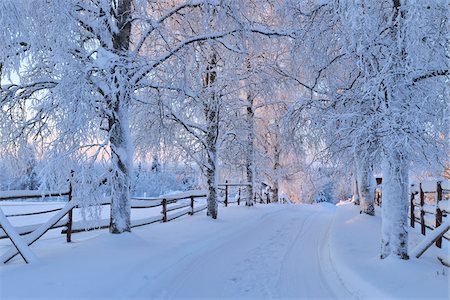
266	251
355	248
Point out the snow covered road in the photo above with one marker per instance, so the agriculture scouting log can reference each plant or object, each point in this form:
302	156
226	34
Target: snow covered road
260	252
279	255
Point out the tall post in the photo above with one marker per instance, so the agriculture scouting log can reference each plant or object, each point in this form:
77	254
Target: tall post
438	211
226	193
164	210
69	226
70	213
239	196
192	205
411	211
422	212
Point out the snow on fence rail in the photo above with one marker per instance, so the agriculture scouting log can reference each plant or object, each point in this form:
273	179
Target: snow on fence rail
429	215
427	206
168	203
27	194
172	207
257	197
225	187
21	246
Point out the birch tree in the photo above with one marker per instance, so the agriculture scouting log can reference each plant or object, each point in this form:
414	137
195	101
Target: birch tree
200	104
397	44
89	61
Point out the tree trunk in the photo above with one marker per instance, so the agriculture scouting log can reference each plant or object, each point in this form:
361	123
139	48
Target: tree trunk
211	172
395	206
119	131
121	153
250	151
395	165
366	187
212	207
276	171
122	14
212	134
355	190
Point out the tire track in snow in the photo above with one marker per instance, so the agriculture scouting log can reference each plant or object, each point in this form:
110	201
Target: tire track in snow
327	267
287	264
183	260
275	256
261	269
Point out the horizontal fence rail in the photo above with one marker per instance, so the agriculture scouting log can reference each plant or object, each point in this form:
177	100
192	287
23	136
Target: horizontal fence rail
429	215
34	232
27	194
226	187
429	204
170	204
172	207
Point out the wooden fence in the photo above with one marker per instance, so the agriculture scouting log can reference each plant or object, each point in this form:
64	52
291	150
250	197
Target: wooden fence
257	197
427	206
34	232
172	207
225	187
24	195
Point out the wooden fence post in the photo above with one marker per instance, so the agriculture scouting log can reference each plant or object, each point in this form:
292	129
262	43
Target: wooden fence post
192	205
422	212
438	211
378	198
70	213
164	210
69	226
412	216
226	193
239	196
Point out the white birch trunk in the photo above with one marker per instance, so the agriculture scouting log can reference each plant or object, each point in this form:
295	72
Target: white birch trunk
121	156
119	131
211	172
212	135
395	206
276	166
394	231
276	170
355	191
365	183
250	152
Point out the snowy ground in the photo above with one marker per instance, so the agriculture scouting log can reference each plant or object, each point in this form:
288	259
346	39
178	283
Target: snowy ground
355	248
267	251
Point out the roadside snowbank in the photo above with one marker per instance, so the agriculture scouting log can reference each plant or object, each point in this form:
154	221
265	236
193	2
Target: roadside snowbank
355	241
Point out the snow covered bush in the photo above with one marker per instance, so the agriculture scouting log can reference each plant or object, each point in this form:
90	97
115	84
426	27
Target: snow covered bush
149	183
